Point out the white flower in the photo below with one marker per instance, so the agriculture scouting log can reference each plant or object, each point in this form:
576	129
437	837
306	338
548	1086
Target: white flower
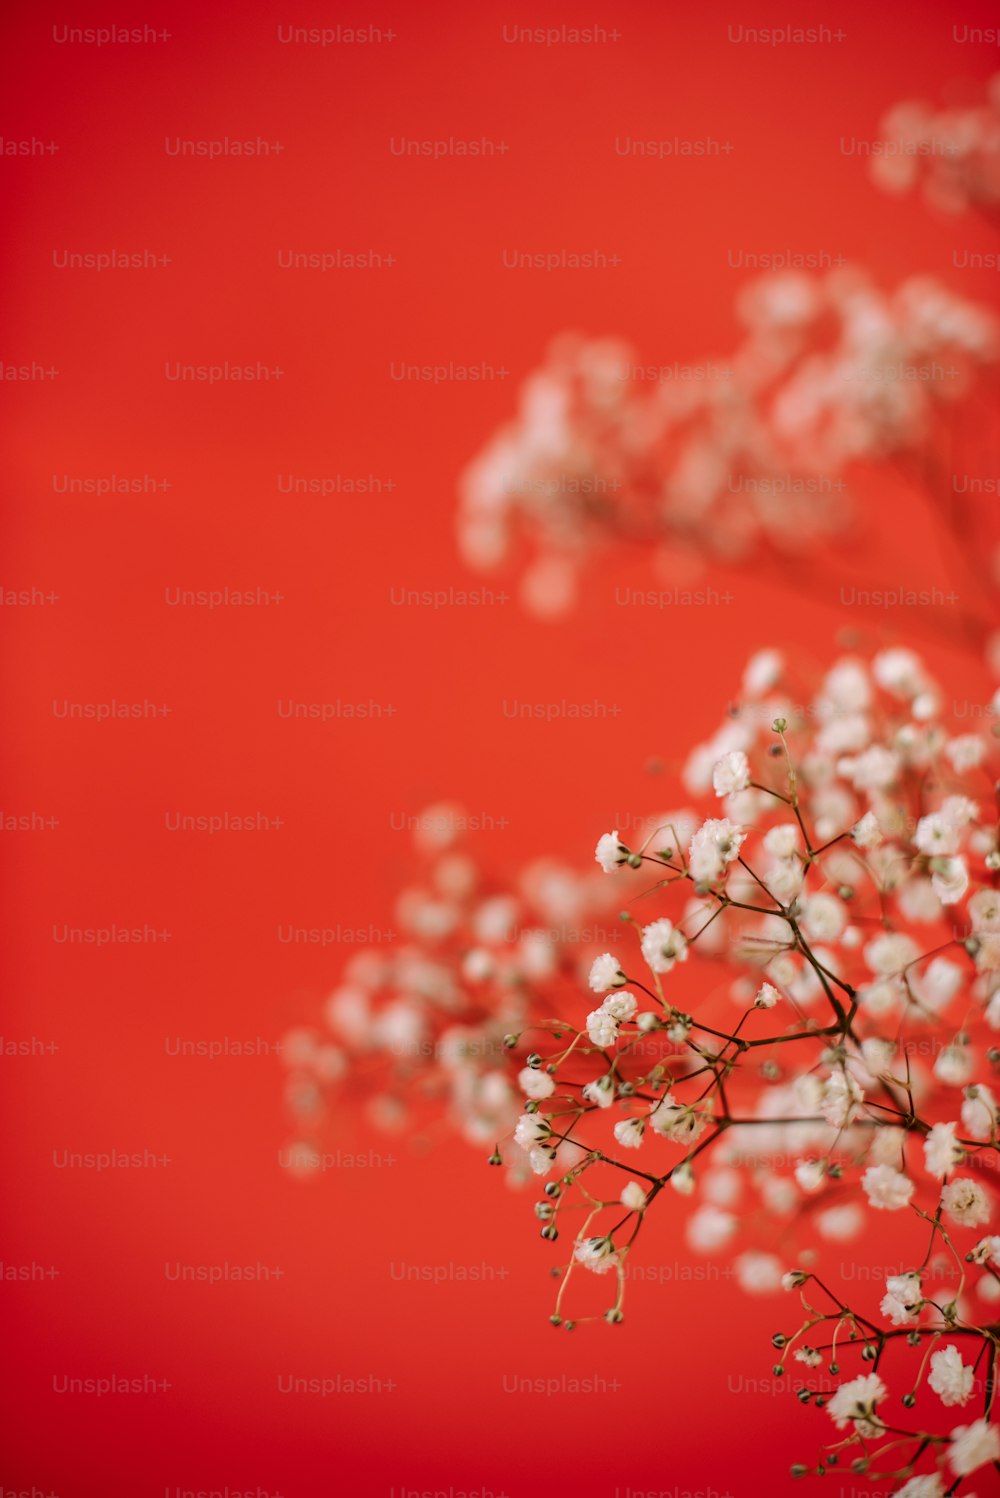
682	1179
867	833
605	973
936	834
903	1298
928	1486
782	841
532	1129
899	671
878	1055
984	910
890	953
874	770
610	852
965	752
621	1006
966	1202
677	1121
941	1151
763	671
731	773
810	1175
716	843
758	1273
950	879
767	996
808	1355
663	945
629	1132
597	1254
840	1099
601	1091
950	1379
887	1189
855	1401
979	1112
602	1028
633	1197
709	1228
477	965
959	810
535	1084
954	1066
541	1160
784	879
823	917
972	1446
988	955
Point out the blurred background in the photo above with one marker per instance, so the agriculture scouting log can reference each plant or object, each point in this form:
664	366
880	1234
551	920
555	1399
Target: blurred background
139	944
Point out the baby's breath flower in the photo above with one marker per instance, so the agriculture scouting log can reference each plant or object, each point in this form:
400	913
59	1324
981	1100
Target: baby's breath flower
605	973
965	1202
611	852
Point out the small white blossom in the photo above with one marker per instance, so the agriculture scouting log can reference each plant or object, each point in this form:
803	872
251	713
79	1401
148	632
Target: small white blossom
782	841
633	1197
954	1065
855	1402
716	843
979	1112
531	1129
928	1486
965	752
602	1028
621	1006
810	1175
677	1121
966	1202
972	1446
867	833
682	1179
950	879
887	1189
596	1254
758	1273
950	1379
629	1132
610	852
809	1356
899	671
601	1091
903	1298
762	672
663	945
840	1101
731	773
823	917
890	953
709	1228
767	996
535	1084
605	973
936	835
941	1150
984	910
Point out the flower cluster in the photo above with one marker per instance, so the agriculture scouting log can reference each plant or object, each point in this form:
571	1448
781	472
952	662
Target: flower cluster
952	152
802	1043
415	1033
754	455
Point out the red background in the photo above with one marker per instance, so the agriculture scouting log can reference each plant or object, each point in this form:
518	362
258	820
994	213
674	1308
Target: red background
671	1425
